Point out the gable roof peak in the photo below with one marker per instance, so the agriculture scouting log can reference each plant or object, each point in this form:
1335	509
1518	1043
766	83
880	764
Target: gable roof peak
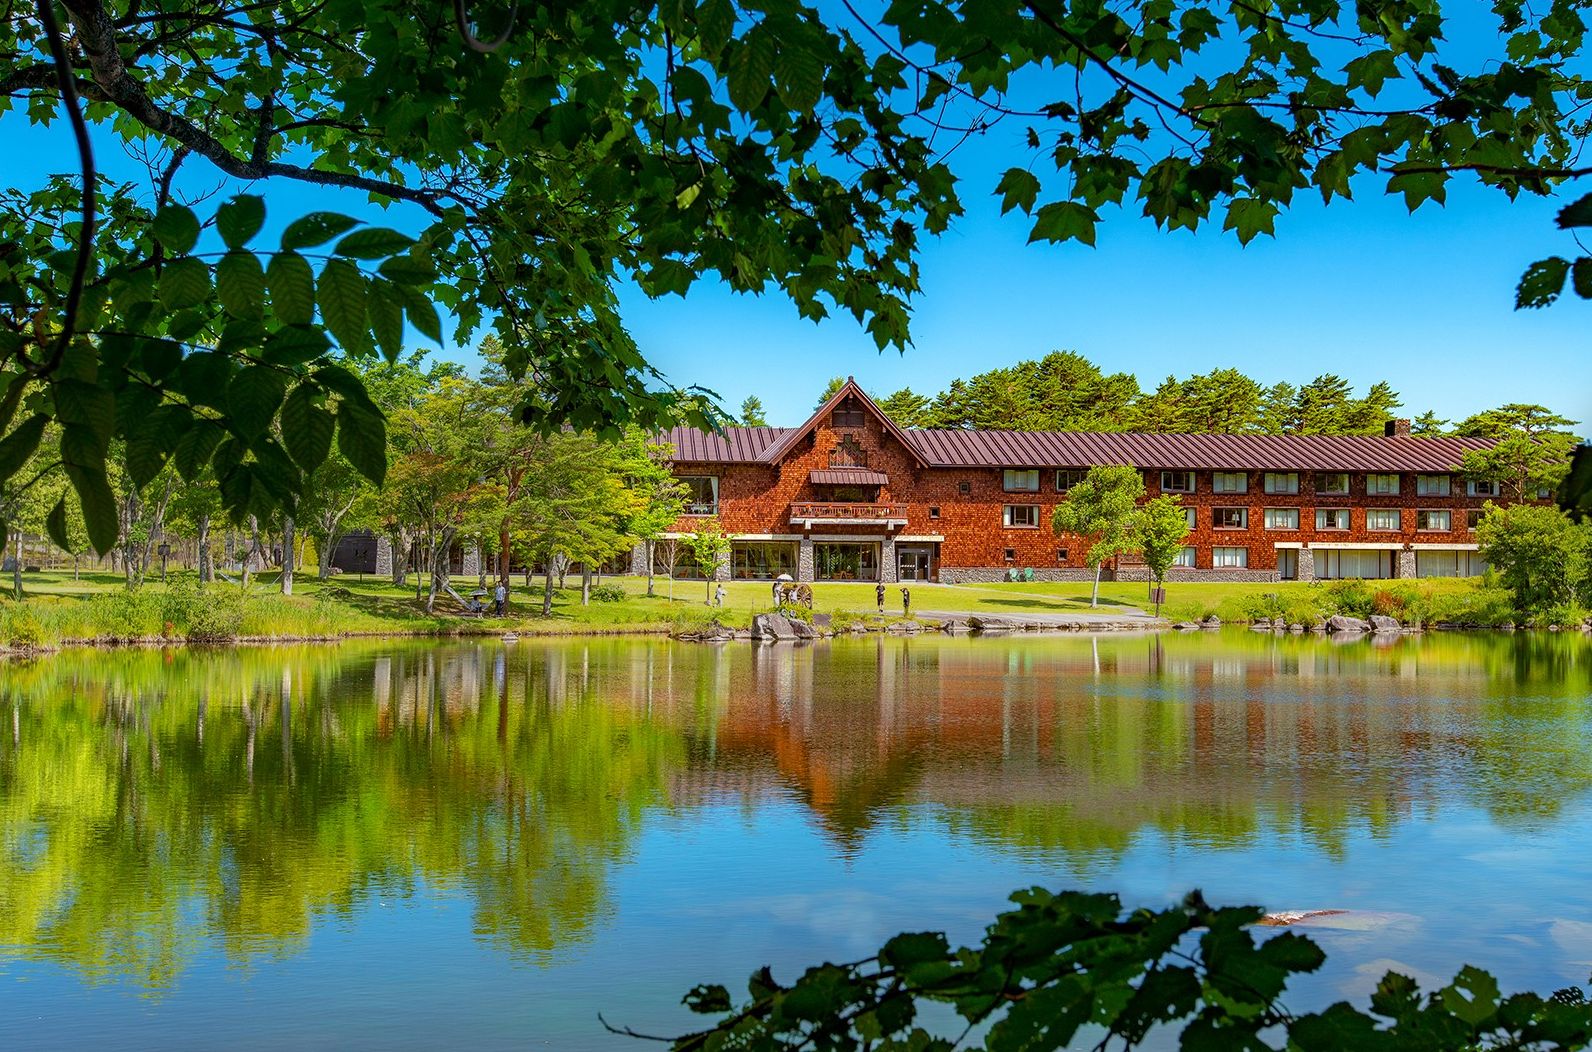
786	442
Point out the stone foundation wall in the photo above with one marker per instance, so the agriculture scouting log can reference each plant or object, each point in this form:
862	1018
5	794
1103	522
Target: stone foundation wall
1186	573
988	574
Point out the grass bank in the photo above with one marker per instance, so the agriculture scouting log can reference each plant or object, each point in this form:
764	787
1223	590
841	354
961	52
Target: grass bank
58	609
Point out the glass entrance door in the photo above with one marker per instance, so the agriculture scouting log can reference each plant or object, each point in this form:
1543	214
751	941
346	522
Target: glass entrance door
912	564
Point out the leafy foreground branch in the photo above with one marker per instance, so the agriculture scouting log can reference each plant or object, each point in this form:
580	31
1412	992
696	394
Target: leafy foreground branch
1070	963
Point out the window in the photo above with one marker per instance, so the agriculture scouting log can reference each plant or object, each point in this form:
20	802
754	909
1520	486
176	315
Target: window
1230	518
1544	493
1282	482
1061	555
934	512
702	497
1020	481
1434	520
1011	555
1191	516
1382	519
1282	518
1177	482
1229	557
1332	518
1432	486
1382	485
1472	519
848	414
1229	482
964	488
1024	515
1333	483
761	560
846	562
1067	478
1481	489
1184	557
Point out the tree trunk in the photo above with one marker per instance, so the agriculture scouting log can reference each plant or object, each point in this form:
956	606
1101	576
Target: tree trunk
75	558
585	584
503	557
547	589
647	547
1094	596
206	571
288	554
562	562
16	570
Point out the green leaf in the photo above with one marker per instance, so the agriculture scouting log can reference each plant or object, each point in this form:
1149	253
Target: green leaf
1473	995
1542	282
345	385
292	288
240	284
1063	221
55	525
87	406
374	242
342	300
1371	70
715	23
19	445
707	999
1577	213
799	77
307	427
184	282
253	396
1581	277
177	229
362	439
750	68
386	318
421	313
195	447
1419	187
1018	189
317	228
1250	217
240	219
98	504
295	345
203	378
408	269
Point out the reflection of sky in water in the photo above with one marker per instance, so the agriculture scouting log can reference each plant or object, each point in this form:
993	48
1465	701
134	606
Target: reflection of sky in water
466	845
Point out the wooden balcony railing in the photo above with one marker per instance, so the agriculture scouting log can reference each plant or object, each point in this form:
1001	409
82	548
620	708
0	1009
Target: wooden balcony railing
845	511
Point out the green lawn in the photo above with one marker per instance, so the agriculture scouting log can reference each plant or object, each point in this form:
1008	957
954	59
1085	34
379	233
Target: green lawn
56	607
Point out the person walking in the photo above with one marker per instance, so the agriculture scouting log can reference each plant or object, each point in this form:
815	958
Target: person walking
776	594
906	601
879	594
718	595
500	599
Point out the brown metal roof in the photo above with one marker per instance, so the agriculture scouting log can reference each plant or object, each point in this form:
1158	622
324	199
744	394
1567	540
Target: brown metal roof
1063	449
1076	449
849	477
736	445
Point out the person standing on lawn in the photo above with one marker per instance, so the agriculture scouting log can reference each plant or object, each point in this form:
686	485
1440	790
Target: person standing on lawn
906	601
879	594
500	600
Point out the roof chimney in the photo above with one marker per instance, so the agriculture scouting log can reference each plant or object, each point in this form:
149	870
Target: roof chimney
1396	429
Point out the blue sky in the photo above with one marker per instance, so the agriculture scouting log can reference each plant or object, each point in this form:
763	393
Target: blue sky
1361	289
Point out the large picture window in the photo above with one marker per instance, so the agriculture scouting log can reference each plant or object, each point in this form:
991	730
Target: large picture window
702	496
846	562
1021	515
1282	518
1015	480
1434	520
1432	485
1229	482
1229	557
1282	482
762	560
1382	485
1382	519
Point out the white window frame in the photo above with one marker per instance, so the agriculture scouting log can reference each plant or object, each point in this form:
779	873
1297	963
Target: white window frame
1373	514
1073	475
1185	557
1187	477
1281	511
1006	517
1220	480
1281	482
1445	528
1376	484
1434	485
1243	514
691	508
1482	489
1322	512
1224	552
1008	486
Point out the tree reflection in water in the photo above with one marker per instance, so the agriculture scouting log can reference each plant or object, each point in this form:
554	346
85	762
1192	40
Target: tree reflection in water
154	804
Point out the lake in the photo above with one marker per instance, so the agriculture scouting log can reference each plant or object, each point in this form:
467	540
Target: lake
391	845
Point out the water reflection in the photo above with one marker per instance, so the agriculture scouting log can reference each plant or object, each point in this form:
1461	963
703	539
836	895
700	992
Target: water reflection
158	805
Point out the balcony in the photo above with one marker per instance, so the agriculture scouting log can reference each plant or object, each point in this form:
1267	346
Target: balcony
845	513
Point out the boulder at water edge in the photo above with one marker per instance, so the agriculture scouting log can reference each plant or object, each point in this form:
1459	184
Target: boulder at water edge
1342	623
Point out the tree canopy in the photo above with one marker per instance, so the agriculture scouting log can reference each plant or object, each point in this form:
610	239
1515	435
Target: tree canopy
536	159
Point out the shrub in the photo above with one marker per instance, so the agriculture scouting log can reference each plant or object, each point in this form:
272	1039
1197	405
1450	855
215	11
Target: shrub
22	629
219	619
1352	598
608	593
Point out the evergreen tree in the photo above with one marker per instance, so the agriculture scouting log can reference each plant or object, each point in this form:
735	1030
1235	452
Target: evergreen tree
834	385
752	412
1428	424
908	409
